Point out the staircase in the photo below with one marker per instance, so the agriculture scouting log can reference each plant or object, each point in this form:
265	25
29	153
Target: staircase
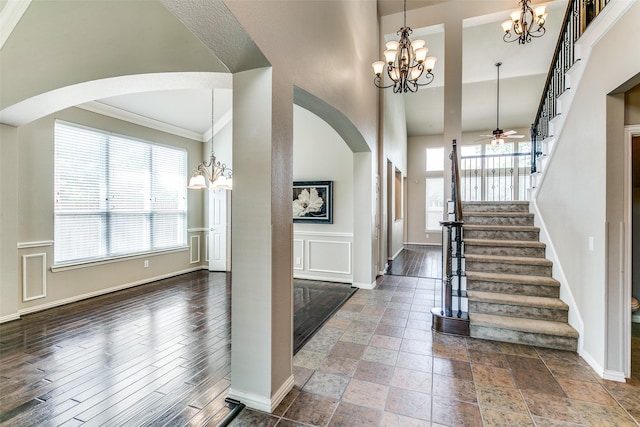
511	294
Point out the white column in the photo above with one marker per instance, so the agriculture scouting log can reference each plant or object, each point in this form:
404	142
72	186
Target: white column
262	314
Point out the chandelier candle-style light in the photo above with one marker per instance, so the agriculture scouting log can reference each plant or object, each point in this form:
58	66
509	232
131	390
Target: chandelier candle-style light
405	62
525	24
218	175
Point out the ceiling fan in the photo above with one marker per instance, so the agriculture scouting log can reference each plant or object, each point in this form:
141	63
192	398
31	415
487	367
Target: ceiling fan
498	135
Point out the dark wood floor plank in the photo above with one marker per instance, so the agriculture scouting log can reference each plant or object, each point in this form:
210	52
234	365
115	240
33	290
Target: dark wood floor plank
418	261
157	354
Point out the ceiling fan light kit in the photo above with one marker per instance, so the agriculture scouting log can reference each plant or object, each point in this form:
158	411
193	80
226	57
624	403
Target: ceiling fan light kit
498	135
525	24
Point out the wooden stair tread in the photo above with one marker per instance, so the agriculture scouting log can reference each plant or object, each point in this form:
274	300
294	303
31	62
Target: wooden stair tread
512	278
513	299
510	243
546	327
508	259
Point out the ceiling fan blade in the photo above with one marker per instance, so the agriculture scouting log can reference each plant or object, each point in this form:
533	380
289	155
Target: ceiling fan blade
509	132
513	136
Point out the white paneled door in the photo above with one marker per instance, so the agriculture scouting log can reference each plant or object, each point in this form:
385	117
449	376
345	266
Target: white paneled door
219	230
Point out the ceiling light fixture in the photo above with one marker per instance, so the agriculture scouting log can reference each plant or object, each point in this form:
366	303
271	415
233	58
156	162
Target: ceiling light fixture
217	174
498	135
405	62
525	24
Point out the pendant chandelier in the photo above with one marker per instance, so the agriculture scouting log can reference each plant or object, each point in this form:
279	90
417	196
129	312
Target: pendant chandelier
217	174
405	62
525	24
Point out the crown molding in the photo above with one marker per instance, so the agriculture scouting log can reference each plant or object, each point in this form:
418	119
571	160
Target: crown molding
120	114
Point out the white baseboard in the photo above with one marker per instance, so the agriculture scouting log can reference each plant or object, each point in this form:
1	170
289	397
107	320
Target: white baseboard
9	318
368	286
614	376
262	403
322	278
81	297
599	370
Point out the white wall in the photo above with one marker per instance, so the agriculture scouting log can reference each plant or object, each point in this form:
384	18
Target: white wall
393	157
578	197
323	251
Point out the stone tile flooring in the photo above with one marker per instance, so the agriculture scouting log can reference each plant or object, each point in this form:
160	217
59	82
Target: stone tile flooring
376	362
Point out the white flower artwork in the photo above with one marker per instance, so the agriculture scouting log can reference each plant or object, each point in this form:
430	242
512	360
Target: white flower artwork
312	201
307	202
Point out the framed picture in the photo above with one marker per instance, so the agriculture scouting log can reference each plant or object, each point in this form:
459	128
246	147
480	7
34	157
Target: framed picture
313	201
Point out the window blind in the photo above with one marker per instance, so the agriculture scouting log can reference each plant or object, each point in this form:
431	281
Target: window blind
115	196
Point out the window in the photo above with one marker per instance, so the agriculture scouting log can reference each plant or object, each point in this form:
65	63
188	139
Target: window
115	196
435	203
435	159
502	173
434	184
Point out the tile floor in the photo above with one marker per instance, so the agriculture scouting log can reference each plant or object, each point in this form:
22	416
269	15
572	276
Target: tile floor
376	362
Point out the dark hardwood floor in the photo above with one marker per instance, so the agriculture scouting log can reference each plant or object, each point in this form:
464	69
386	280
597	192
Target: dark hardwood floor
417	261
157	354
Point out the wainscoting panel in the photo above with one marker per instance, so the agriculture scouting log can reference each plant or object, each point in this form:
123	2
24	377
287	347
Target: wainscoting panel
34	276
194	243
323	256
298	254
330	257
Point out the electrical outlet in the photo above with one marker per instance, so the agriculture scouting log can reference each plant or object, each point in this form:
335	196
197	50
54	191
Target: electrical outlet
146	263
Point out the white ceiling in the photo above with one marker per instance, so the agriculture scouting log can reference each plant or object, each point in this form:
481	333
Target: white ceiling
522	76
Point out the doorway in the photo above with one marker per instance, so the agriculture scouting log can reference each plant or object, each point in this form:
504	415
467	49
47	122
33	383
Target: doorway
635	253
632	141
219	230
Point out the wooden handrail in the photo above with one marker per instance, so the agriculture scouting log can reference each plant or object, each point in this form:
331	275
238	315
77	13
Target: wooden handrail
577	17
455	182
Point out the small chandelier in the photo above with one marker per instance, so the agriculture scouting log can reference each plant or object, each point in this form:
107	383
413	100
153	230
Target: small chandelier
406	62
217	174
525	24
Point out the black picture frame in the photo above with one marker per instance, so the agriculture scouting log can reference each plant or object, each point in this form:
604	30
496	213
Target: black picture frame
312	202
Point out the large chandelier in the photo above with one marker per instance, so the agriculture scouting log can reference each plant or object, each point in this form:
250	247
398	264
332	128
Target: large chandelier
405	62
525	24
217	174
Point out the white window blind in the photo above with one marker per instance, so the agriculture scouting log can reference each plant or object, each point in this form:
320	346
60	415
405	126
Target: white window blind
115	196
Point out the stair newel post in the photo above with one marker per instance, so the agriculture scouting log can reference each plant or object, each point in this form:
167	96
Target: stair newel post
448	264
443	318
459	272
457	209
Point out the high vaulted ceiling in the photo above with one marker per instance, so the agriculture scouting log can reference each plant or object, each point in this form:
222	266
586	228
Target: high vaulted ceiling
522	77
